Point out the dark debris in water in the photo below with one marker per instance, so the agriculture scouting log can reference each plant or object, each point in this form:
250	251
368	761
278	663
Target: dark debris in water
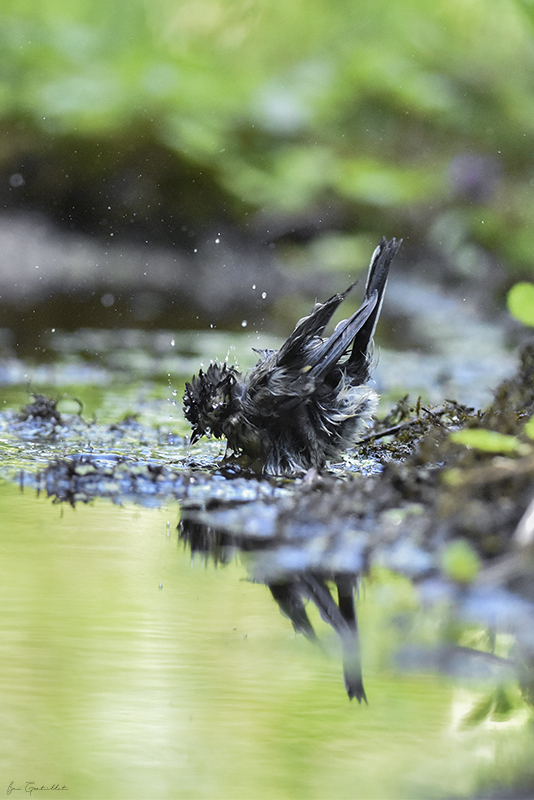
42	409
84	477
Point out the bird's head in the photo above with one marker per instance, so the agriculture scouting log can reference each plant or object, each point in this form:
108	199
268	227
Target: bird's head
208	400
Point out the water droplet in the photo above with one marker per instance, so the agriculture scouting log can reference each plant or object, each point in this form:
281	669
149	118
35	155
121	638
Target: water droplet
107	300
263	295
16	180
244	323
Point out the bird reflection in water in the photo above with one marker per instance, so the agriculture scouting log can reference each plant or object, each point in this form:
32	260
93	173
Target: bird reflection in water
291	594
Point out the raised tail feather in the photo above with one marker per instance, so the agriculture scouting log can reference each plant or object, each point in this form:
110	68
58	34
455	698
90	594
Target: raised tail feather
376	282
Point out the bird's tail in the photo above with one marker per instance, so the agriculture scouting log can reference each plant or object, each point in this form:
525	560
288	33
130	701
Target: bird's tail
376	286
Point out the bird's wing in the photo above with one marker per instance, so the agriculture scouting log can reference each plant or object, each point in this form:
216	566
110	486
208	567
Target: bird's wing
359	329
330	351
308	328
316	358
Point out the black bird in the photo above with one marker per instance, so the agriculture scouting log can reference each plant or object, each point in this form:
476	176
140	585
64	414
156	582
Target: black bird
306	403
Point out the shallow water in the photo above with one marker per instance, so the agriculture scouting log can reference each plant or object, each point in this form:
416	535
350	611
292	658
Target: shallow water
131	670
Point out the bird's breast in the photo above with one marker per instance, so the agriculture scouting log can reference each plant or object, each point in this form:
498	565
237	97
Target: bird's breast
243	436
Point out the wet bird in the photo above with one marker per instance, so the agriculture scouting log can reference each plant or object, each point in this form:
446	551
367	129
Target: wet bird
305	404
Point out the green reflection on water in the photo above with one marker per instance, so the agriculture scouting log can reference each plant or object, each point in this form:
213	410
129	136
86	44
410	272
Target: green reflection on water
118	688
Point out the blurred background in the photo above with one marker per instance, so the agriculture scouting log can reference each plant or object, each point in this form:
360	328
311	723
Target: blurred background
175	163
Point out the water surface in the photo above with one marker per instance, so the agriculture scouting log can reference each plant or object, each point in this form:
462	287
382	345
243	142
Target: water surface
131	671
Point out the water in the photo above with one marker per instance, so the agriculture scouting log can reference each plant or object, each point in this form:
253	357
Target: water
132	671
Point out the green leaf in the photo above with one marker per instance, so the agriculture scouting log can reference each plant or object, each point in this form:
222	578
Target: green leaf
521	302
529	428
488	441
460	561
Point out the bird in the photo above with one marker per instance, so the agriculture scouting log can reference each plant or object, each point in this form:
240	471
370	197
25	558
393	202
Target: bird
302	406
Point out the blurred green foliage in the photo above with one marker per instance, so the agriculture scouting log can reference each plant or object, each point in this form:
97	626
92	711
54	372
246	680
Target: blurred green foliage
408	117
460	561
521	302
489	441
